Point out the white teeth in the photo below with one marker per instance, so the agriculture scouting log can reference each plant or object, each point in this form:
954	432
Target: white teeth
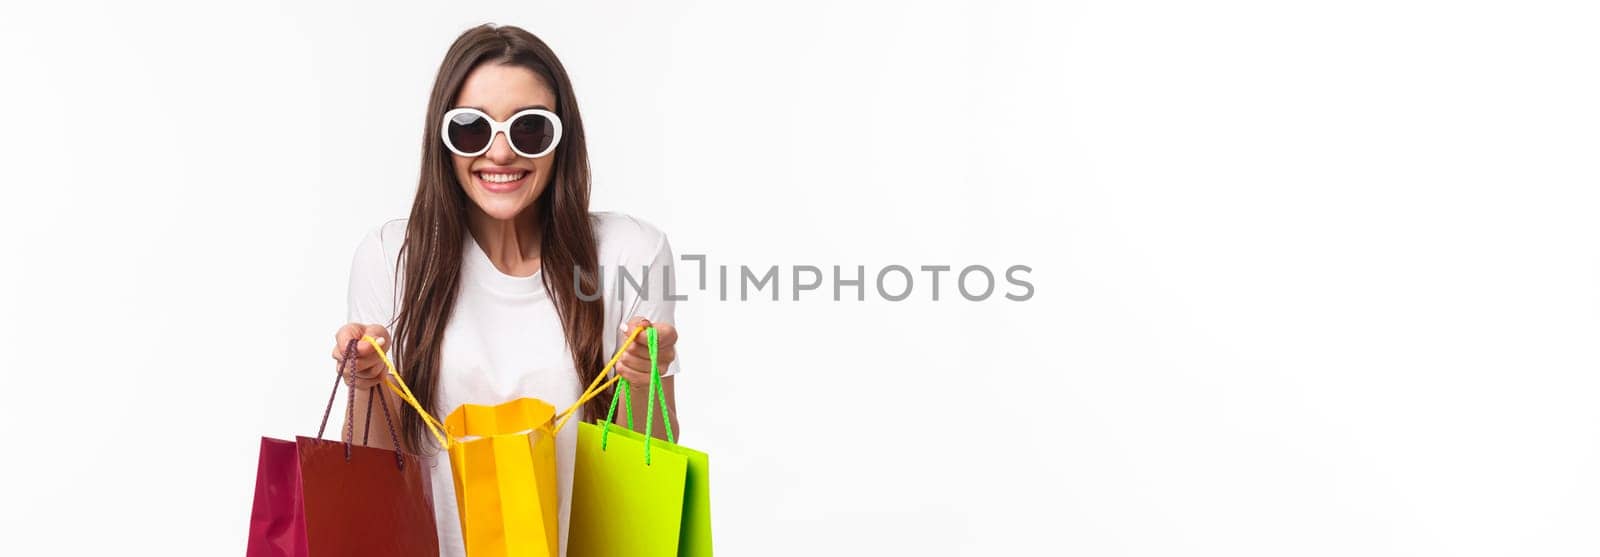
501	178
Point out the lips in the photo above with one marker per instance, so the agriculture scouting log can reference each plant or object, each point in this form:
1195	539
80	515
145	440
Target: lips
501	180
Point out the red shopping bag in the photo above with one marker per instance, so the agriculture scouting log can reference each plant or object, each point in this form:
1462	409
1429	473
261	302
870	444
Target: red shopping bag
316	497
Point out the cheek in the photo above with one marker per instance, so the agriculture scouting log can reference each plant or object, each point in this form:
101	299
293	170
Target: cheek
543	169
460	165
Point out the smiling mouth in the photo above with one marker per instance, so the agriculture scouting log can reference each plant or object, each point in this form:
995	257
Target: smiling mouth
501	177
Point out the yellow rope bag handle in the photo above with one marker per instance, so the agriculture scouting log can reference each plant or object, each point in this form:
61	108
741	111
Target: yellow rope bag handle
398	385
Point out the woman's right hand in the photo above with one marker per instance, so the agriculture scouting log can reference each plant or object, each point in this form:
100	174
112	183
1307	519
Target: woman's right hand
368	368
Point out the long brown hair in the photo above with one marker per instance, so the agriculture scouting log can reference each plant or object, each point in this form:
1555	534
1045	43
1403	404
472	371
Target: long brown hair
430	259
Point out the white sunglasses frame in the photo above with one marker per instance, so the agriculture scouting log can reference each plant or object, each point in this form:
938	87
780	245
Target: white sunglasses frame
497	127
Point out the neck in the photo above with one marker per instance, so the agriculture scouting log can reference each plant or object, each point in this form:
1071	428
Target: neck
512	245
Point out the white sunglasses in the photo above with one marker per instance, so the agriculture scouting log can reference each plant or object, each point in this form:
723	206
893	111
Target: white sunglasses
532	133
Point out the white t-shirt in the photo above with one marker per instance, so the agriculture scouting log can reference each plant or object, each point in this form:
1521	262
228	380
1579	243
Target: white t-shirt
504	340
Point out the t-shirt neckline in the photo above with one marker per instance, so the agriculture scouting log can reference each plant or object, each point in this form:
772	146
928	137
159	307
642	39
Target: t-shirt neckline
477	267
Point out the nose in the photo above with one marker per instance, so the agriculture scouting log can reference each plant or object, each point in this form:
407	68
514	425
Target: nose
500	150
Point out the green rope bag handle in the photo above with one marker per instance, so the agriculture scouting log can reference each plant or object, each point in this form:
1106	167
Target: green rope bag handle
623	395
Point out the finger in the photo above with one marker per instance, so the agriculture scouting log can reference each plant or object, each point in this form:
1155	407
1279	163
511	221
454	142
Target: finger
634	370
370	367
366	371
634	323
664	344
664	357
644	336
379	335
635	361
347	332
666	335
639	364
341	339
348	370
340	352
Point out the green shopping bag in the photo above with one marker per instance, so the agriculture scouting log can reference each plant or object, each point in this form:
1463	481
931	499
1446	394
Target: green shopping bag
635	496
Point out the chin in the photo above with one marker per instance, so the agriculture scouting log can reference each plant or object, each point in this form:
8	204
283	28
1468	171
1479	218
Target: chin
502	209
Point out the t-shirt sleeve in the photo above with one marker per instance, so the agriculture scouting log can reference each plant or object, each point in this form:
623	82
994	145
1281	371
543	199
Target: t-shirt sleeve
371	295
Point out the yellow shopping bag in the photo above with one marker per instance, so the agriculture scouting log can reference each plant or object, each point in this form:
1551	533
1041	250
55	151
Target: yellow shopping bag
503	460
503	463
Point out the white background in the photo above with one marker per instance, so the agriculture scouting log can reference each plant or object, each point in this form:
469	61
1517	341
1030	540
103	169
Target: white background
1311	278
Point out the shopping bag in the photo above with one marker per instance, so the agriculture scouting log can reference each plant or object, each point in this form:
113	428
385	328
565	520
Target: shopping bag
316	497
694	537
503	465
636	496
503	460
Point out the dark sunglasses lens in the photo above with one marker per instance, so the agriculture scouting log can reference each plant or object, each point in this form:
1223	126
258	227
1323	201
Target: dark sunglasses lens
468	132
532	133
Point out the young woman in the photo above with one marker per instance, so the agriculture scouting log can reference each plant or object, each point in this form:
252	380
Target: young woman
480	295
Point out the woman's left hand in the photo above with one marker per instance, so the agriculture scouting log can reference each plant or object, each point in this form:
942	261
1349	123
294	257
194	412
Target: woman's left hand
635	363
